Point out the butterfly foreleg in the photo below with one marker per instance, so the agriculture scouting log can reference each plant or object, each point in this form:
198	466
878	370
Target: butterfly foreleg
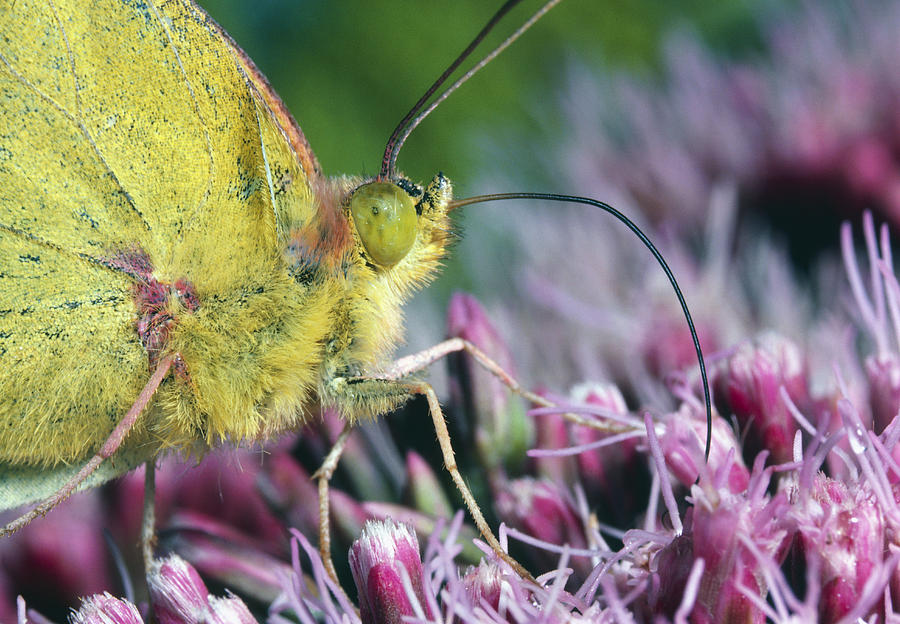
148	518
409	364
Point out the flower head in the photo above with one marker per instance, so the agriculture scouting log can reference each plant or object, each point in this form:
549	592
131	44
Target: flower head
387	570
179	596
106	609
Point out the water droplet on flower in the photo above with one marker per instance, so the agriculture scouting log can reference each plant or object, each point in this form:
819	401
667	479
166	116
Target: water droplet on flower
857	440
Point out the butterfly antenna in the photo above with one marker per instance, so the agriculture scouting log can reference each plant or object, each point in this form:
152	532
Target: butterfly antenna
631	225
416	114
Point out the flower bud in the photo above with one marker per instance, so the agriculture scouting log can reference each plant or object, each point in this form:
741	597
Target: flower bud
106	609
483	584
844	529
750	384
230	610
227	556
502	431
179	596
376	560
600	470
177	592
544	511
59	556
684	440
427	493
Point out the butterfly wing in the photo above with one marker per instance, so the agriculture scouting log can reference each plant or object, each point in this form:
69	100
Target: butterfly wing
136	140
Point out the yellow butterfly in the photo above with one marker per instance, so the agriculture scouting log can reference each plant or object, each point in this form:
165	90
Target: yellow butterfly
171	251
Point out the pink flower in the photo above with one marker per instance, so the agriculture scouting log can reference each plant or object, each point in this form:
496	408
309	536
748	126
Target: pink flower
749	386
388	573
842	528
545	511
179	596
883	374
725	531
106	609
683	440
484	585
58	557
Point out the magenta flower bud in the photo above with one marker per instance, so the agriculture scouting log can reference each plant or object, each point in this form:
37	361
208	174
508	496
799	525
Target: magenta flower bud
883	374
730	566
844	529
467	319
179	596
287	486
502	430
684	439
230	610
207	487
227	556
552	432
604	395
600	470
673	564
60	556
177	592
714	537
421	524
668	345
106	609
378	559
484	584
720	529
541	509
750	384
869	166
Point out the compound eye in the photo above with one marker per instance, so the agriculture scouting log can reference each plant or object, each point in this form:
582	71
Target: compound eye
386	220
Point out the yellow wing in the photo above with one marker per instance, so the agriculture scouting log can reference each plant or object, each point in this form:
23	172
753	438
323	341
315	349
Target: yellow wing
137	143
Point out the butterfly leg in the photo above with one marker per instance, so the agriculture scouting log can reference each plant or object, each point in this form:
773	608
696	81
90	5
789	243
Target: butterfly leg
375	391
323	475
112	444
409	364
148	519
443	436
423	359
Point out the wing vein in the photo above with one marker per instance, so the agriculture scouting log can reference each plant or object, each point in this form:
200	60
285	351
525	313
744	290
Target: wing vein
114	268
268	169
190	87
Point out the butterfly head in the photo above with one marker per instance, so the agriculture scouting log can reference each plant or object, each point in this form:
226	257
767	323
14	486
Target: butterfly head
400	227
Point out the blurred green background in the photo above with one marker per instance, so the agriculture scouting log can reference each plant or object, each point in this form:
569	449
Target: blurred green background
350	70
